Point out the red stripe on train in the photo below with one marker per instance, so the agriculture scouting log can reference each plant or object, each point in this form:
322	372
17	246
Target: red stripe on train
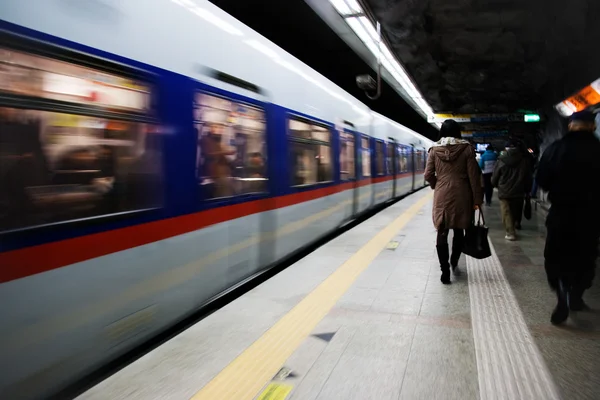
45	257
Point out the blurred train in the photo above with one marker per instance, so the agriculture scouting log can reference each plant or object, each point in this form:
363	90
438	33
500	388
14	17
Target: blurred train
155	154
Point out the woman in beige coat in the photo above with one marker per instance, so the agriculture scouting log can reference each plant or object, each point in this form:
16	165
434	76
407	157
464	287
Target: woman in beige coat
453	173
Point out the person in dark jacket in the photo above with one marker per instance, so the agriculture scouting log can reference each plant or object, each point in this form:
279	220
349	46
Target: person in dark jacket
513	177
453	173
487	162
568	172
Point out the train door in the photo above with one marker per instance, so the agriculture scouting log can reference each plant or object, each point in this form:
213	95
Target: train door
235	124
349	165
365	193
414	165
424	165
392	154
356	174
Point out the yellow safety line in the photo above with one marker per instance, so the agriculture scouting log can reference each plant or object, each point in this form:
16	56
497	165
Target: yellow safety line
245	376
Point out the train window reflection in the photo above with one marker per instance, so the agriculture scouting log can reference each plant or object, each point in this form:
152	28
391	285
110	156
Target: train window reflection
25	74
403	159
58	167
347	156
310	153
389	159
420	160
231	152
379	157
366	157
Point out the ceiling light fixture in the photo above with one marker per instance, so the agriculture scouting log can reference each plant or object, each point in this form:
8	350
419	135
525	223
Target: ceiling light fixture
356	19
346	7
586	97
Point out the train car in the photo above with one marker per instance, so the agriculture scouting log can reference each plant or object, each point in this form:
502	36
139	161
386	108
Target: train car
155	154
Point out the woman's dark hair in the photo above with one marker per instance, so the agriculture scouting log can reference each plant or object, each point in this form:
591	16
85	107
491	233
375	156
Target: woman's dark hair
450	128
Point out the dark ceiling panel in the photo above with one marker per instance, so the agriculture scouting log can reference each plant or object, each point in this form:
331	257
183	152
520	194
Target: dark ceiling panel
493	55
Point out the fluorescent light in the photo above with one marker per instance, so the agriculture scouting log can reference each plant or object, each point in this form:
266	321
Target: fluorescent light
368	35
369	28
346	7
366	32
564	110
359	29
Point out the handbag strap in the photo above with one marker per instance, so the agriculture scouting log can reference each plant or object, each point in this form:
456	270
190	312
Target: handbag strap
481	217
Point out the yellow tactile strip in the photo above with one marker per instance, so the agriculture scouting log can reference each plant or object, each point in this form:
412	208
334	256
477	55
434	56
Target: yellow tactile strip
245	376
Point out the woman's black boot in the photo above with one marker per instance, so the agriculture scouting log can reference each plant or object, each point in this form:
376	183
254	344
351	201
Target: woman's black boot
443	254
454	259
457	245
561	312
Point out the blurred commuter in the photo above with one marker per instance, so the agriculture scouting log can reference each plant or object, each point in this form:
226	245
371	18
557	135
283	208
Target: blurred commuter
256	172
453	173
487	162
513	177
568	172
218	165
534	186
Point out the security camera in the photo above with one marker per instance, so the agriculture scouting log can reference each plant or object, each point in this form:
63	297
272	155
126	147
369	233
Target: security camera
366	83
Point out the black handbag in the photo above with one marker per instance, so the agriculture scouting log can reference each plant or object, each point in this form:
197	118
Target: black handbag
527	208
476	242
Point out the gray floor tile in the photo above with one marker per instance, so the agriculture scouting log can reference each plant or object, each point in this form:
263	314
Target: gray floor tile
358	298
352	317
410	266
459	285
399	281
303	359
581	382
382	340
313	381
373	278
398	302
362	378
372	365
450	304
442	365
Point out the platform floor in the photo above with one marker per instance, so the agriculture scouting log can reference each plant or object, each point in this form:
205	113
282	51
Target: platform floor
366	317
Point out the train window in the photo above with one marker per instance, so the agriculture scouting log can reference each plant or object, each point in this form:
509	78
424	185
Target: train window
366	157
310	156
380	157
347	156
403	159
56	166
231	153
419	160
389	159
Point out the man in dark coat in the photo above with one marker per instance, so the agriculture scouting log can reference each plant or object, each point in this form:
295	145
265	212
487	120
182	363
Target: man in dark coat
512	176
569	171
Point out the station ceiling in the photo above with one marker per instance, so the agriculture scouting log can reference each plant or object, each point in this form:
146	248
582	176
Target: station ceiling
465	56
491	56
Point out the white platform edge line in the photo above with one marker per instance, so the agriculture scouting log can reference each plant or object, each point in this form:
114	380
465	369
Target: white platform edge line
509	364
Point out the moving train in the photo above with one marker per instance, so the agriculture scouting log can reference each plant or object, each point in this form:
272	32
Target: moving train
155	154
